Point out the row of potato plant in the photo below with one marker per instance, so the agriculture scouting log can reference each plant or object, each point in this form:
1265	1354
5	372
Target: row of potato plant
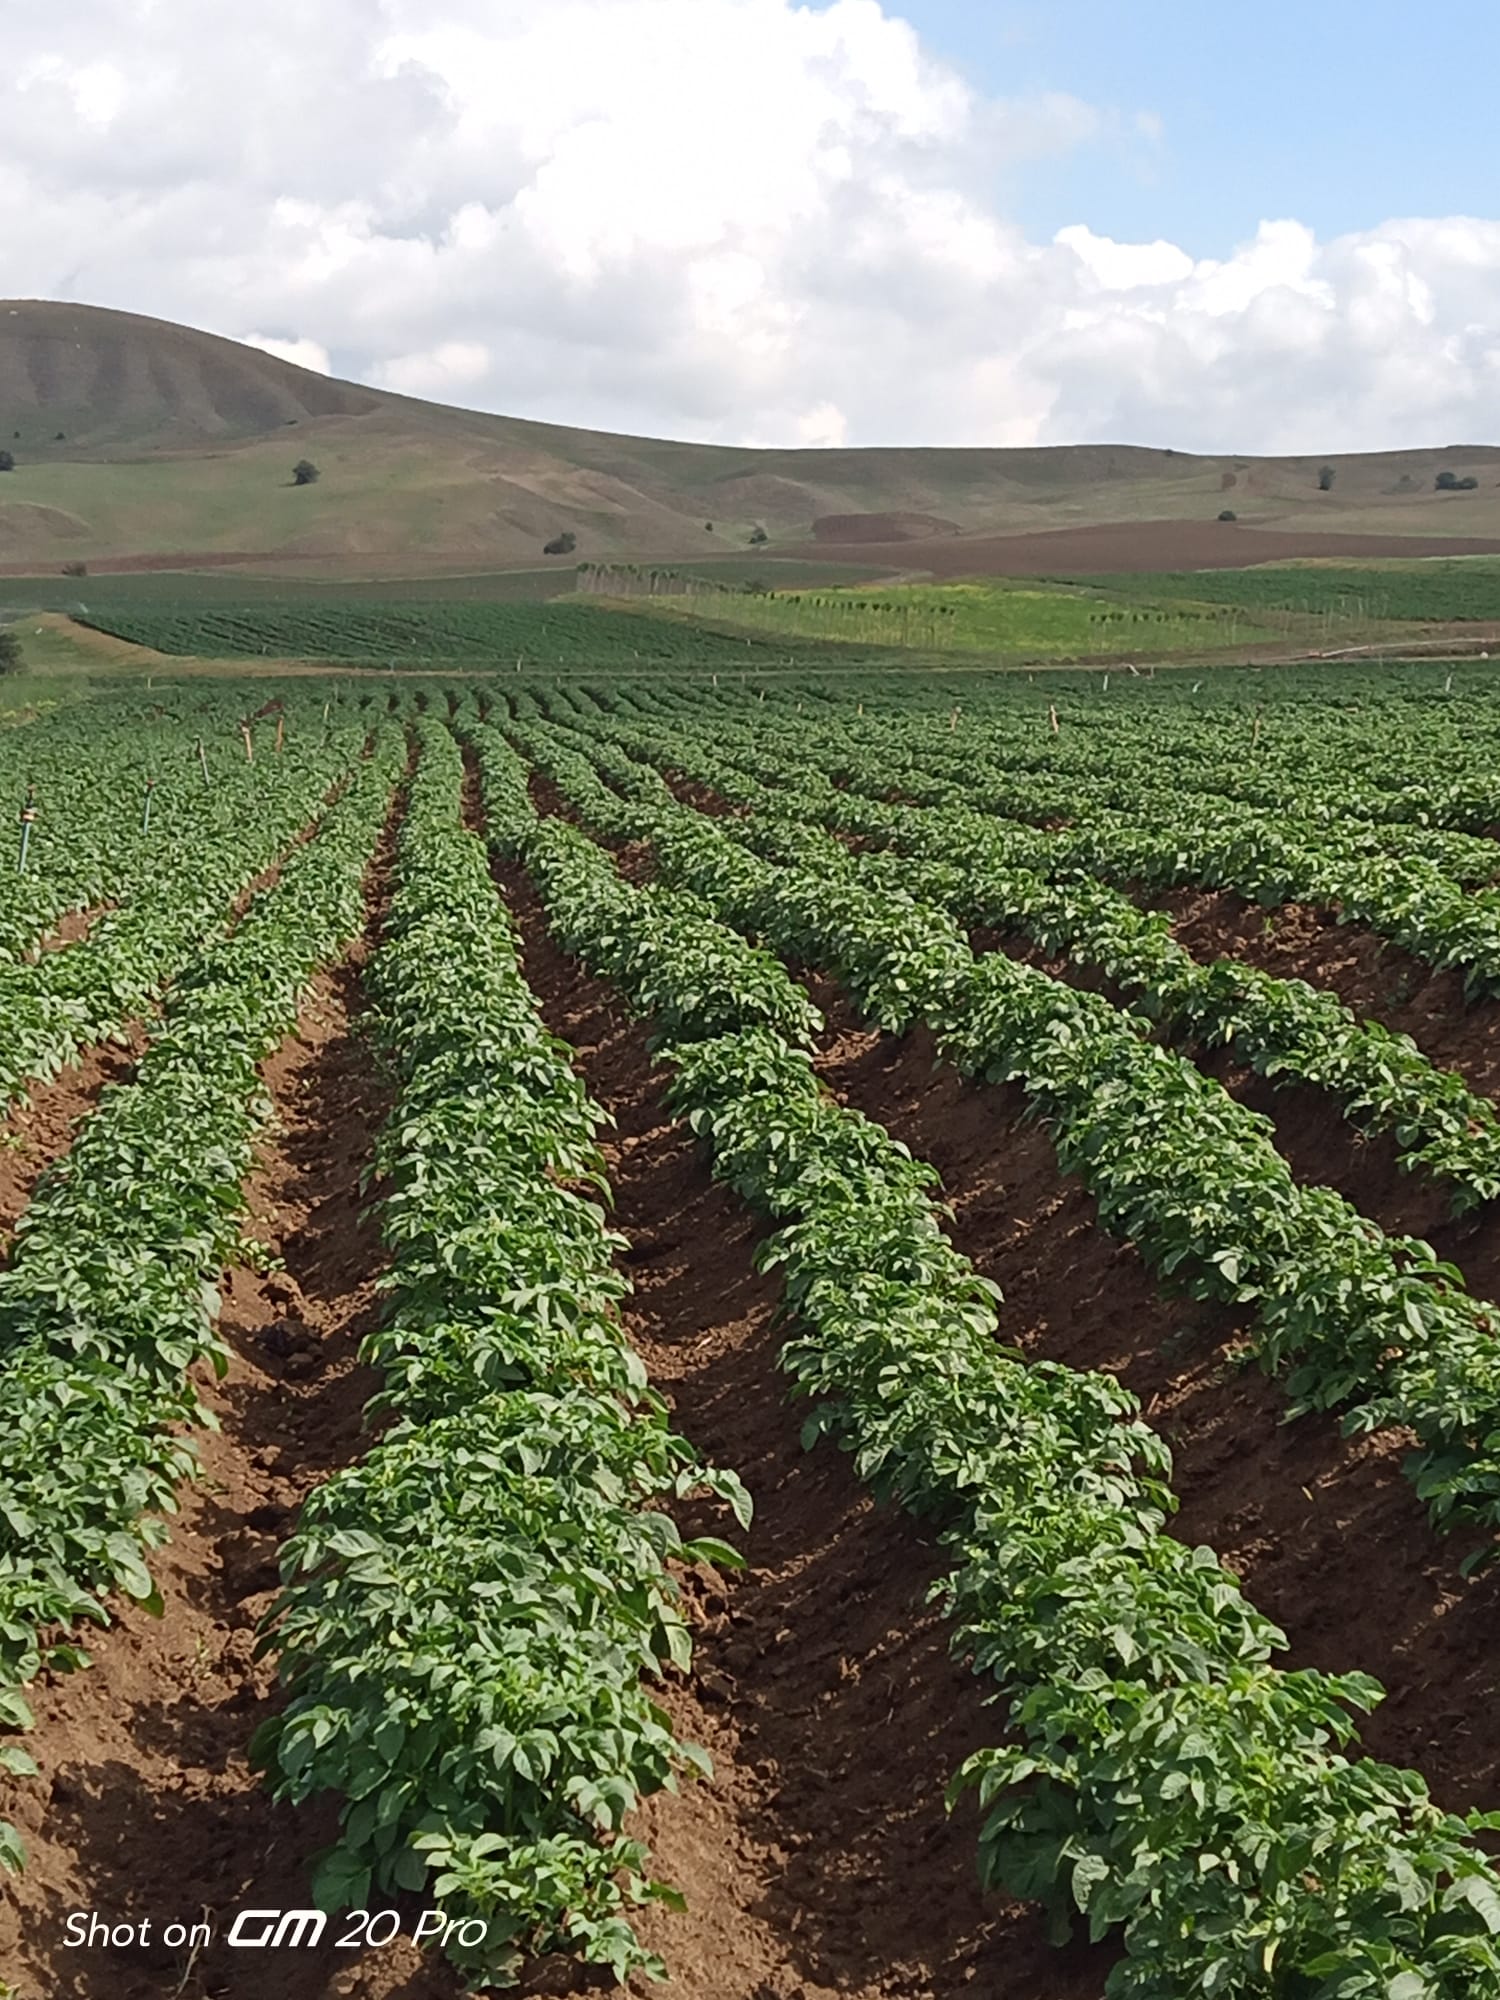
1159	843
111	1294
57	1004
86	769
1289	1031
1370	1323
472	1611
1162	1776
1165	840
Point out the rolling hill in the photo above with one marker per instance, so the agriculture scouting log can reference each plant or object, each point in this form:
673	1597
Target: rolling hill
143	444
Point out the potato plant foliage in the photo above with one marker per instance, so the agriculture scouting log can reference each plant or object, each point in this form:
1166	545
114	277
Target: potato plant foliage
1163	1776
111	1293
473	1611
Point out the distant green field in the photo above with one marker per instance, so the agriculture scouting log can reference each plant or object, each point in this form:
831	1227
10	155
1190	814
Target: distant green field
1435	589
394	635
984	620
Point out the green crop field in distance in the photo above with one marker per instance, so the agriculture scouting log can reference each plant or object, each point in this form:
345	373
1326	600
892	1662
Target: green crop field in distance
988	620
1435	590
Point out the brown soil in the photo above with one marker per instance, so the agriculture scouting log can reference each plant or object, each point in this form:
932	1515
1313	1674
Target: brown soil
69	929
897	527
1379	980
818	1861
146	1807
1320	1145
40	1130
1117	547
1304	1516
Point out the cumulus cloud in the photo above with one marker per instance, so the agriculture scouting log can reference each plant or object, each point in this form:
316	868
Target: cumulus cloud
736	220
303	353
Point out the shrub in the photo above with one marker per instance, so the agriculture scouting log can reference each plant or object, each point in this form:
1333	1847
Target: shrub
10	652
1449	482
7	461
758	536
1326	476
1229	515
561	545
305	473
75	569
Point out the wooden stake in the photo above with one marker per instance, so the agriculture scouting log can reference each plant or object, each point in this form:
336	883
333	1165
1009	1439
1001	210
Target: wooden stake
280	733
203	762
249	746
1052	714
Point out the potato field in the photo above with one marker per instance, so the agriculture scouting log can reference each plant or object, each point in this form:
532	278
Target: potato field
822	1336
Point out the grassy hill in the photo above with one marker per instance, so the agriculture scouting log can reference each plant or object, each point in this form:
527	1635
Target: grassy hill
153	445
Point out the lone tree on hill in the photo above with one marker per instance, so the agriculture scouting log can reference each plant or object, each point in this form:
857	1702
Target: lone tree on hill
1326	476
561	545
7	461
10	652
758	536
305	473
1229	515
1449	482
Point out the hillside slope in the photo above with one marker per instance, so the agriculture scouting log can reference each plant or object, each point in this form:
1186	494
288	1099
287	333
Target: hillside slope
139	440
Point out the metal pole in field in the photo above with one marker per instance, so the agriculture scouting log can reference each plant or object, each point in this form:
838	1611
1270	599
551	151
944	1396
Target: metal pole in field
146	814
28	819
203	760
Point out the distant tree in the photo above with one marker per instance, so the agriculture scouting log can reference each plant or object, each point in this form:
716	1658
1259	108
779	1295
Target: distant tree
10	652
708	527
305	473
61	438
1229	515
1449	482
7	461
561	545
75	569
1326	476
758	536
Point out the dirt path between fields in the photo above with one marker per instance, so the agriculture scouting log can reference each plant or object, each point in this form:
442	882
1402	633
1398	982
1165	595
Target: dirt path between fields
146	1807
818	1862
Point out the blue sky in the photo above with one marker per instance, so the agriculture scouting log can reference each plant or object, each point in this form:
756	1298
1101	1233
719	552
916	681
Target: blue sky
1342	115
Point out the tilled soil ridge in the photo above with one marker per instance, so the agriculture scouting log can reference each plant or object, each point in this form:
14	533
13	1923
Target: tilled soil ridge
147	1807
818	1861
1306	1517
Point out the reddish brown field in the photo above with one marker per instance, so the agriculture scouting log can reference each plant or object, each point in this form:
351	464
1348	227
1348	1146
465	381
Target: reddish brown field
1137	546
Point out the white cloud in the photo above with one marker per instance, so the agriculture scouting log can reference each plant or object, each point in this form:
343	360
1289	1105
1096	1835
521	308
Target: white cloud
303	353
727	219
439	373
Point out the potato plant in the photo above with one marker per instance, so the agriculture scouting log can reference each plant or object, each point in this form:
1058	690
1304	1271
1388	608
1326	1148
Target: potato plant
1164	1778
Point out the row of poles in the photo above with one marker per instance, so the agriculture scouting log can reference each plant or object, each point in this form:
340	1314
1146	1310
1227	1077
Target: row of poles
30	808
